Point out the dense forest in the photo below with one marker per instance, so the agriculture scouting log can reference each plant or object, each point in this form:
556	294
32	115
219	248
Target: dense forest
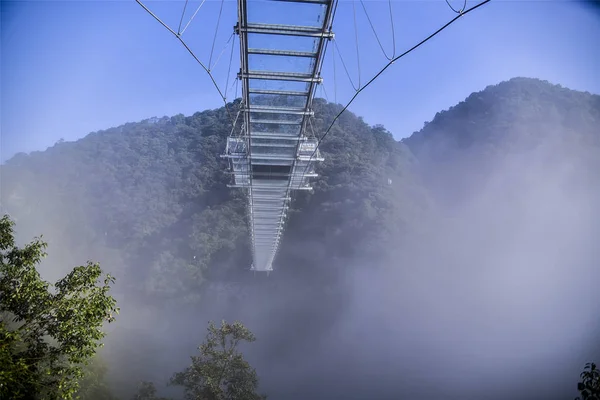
470	247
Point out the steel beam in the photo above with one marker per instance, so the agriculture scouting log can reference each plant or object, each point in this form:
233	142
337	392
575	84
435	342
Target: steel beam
278	92
284	53
277	136
272	121
307	1
280	76
279	110
288	30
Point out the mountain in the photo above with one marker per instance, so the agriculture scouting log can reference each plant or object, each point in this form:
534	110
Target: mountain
490	195
156	191
520	116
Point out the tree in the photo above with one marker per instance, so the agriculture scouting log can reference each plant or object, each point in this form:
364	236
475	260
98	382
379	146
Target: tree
93	385
589	387
220	371
147	391
47	332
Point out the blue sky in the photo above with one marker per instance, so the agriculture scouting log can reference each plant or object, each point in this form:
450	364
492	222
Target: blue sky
69	68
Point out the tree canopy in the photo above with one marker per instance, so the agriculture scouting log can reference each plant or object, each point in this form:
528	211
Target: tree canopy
589	386
47	331
220	372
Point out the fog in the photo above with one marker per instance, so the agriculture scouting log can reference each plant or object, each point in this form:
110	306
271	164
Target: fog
493	296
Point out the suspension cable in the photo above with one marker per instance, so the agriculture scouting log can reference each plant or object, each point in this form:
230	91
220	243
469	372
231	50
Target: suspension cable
216	31
356	36
458	11
334	76
375	32
178	36
382	70
182	15
229	68
344	65
193	16
221	53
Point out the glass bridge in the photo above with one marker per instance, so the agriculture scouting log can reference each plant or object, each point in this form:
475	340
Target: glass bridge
282	43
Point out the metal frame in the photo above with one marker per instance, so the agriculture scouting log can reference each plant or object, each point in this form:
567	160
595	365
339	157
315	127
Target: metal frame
286	159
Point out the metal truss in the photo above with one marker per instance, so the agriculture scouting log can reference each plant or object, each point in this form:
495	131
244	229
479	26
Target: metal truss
281	53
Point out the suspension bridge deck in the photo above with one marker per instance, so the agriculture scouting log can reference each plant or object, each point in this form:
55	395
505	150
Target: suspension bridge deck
282	43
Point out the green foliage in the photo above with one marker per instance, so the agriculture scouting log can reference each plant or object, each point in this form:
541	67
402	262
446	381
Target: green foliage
13	371
462	146
147	391
589	387
47	334
220	372
93	384
519	113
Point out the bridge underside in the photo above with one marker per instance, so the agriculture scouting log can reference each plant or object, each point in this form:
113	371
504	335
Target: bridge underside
282	43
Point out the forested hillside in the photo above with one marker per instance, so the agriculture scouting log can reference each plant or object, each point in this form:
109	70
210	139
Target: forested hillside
155	193
521	117
490	195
